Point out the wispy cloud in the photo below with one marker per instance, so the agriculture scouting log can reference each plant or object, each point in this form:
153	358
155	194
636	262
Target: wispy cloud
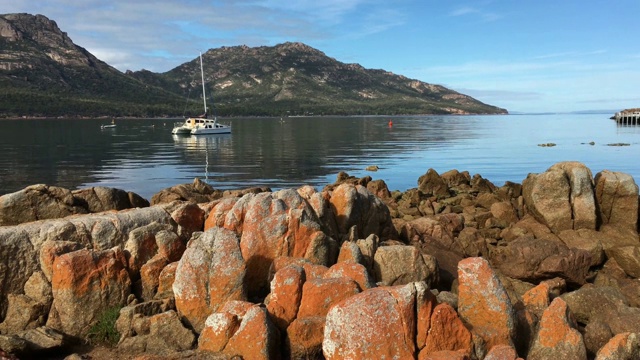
464	10
501	95
493	68
378	21
127	33
481	14
610	100
571	54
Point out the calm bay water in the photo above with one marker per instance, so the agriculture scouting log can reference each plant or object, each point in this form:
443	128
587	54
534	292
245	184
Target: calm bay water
142	156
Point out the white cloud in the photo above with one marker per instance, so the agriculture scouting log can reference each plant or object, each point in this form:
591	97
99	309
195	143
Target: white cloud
463	10
483	15
161	34
181	29
572	54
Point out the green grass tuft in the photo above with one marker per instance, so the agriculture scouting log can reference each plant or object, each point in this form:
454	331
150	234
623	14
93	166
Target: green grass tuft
104	331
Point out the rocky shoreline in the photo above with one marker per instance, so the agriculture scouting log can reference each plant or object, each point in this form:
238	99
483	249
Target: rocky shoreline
456	268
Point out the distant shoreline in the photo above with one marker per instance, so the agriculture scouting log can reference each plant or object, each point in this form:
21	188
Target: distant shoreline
241	117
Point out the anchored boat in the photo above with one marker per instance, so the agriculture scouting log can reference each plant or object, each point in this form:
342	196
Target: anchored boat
201	125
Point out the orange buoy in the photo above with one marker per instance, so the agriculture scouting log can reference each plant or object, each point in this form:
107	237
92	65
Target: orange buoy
390	123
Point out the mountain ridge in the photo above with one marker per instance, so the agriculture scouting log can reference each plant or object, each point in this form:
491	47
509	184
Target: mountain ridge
44	73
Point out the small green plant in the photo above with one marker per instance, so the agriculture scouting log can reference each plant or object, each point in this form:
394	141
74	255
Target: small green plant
104	331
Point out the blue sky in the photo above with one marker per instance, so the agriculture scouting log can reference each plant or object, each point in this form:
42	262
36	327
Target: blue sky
525	56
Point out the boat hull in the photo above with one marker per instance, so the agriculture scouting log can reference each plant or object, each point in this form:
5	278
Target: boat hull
182	130
204	131
210	127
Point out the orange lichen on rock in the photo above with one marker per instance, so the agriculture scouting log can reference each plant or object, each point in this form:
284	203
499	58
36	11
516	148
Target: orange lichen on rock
447	332
556	337
483	304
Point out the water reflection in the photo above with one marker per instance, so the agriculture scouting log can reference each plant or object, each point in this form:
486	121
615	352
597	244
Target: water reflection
142	156
209	146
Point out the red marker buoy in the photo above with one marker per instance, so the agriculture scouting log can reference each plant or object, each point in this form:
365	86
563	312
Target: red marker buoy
390	123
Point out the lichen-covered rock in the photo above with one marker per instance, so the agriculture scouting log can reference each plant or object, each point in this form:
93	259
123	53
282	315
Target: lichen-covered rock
305	336
210	273
446	355
447	332
483	303
537	299
502	352
218	212
355	205
376	324
189	217
425	303
318	295
368	248
353	271
403	264
319	202
85	284
624	346
141	246
150	276
251	333
218	329
31	247
52	249
311	270
273	225
349	251
285	295
557	337
165	281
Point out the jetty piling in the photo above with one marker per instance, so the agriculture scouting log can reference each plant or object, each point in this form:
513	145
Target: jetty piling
627	117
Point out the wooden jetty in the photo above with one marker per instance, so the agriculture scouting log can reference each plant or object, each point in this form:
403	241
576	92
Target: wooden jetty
627	117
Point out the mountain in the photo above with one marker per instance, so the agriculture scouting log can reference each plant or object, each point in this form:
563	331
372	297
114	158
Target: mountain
42	72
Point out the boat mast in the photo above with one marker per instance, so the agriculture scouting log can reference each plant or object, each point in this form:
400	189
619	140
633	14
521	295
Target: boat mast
204	97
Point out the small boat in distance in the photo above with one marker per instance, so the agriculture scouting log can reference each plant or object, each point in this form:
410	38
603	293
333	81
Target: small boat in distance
201	125
107	126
